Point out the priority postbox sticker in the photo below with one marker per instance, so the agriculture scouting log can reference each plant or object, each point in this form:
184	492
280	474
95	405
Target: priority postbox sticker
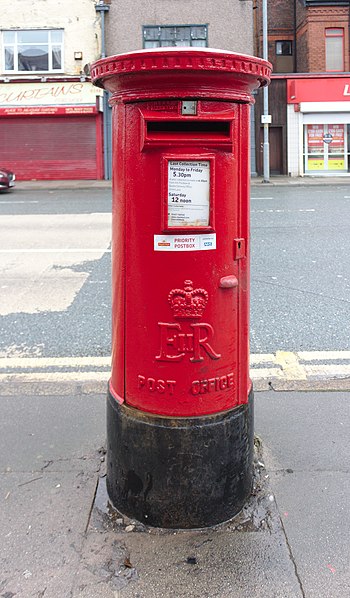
188	193
184	242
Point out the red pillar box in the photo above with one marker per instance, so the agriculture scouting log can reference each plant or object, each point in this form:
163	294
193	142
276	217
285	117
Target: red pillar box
180	424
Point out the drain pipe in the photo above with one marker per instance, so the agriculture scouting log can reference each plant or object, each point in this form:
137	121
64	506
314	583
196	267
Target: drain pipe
266	119
101	7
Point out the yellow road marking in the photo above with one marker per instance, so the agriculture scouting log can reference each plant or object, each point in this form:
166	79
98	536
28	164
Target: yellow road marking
285	365
290	365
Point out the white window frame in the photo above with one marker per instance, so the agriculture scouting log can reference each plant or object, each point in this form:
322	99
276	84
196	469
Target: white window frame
279	47
15	45
334	34
156	42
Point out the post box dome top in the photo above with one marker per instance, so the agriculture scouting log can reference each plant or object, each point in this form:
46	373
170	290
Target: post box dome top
181	72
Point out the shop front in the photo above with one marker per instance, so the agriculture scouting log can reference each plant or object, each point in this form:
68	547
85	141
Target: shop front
51	130
318	115
325	148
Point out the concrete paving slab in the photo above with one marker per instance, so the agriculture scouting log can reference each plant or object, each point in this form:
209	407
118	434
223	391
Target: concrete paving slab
245	557
306	442
315	510
281	180
44	431
51	548
183	564
226	565
49	463
304	431
42	523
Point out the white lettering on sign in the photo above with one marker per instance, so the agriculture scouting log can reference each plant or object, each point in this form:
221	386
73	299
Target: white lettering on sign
47	94
184	242
188	193
346	90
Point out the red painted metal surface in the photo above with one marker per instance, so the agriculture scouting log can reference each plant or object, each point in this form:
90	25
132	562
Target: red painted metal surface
46	110
181	228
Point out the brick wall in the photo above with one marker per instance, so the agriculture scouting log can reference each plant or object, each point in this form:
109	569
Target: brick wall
311	23
301	12
280	16
302	52
280	24
318	20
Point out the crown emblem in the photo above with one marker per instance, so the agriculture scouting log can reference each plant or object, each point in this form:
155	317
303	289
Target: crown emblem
188	302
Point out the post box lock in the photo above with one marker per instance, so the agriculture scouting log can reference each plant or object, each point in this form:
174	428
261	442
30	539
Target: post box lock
239	249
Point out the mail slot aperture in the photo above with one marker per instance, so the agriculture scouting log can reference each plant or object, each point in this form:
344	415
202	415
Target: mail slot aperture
187	131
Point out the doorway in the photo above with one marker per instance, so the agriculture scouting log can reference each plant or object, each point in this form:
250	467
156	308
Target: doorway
276	150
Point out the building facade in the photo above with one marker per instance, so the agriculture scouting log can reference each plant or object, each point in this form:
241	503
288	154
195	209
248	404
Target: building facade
318	120
142	24
50	114
54	123
308	43
223	24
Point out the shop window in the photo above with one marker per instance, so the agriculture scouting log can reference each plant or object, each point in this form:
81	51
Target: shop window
334	49
38	50
325	148
177	35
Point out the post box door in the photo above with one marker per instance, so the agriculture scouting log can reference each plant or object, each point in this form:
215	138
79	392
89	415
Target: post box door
186	301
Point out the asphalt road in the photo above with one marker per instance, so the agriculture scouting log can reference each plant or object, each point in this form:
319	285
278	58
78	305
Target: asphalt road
55	271
300	276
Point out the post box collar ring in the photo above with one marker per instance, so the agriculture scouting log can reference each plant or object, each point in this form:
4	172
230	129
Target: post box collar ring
250	70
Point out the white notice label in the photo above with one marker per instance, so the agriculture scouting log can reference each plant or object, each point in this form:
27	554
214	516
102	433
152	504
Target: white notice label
184	242
188	193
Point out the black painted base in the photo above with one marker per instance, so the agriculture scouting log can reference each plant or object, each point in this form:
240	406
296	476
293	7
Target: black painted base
179	472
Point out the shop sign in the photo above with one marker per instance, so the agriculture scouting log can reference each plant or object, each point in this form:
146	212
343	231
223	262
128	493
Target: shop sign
48	94
335	163
315	136
46	110
314	164
337	135
320	89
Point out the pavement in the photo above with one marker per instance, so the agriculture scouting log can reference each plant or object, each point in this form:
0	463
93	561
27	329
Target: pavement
299	181
60	538
275	180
